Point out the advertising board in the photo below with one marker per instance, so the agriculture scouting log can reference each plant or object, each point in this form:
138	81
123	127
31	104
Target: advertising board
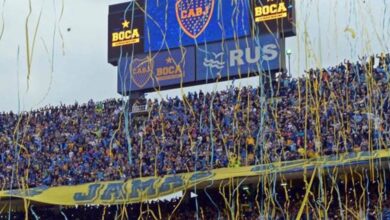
236	58
125	31
274	16
153	71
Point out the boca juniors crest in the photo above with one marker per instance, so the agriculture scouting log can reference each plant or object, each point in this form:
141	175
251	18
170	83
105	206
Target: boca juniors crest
141	71
194	15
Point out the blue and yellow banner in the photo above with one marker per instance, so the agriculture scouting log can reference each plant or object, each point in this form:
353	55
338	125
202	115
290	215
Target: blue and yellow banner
144	189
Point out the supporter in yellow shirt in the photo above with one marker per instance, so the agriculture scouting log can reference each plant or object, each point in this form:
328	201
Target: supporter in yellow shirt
302	151
250	141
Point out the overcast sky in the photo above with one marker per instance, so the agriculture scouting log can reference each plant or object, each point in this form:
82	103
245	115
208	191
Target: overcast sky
328	32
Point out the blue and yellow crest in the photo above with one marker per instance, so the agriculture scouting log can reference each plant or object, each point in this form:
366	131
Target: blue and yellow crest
194	15
141	71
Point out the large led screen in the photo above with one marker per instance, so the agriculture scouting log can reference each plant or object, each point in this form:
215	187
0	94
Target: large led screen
175	23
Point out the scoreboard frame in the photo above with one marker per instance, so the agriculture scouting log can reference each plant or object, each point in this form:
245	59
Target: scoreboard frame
126	40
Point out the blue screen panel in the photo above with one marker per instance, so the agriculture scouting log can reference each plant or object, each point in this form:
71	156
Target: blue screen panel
235	57
167	68
175	23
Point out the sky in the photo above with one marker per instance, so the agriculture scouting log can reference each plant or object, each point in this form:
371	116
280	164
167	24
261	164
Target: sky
69	54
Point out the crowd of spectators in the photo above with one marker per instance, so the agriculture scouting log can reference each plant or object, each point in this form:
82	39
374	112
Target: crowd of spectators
327	111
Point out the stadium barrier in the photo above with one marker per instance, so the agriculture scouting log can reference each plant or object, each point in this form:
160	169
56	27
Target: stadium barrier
148	188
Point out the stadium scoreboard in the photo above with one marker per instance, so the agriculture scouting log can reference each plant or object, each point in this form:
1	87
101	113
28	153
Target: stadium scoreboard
159	44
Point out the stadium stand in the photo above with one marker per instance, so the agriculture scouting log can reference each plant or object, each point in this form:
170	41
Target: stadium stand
339	109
